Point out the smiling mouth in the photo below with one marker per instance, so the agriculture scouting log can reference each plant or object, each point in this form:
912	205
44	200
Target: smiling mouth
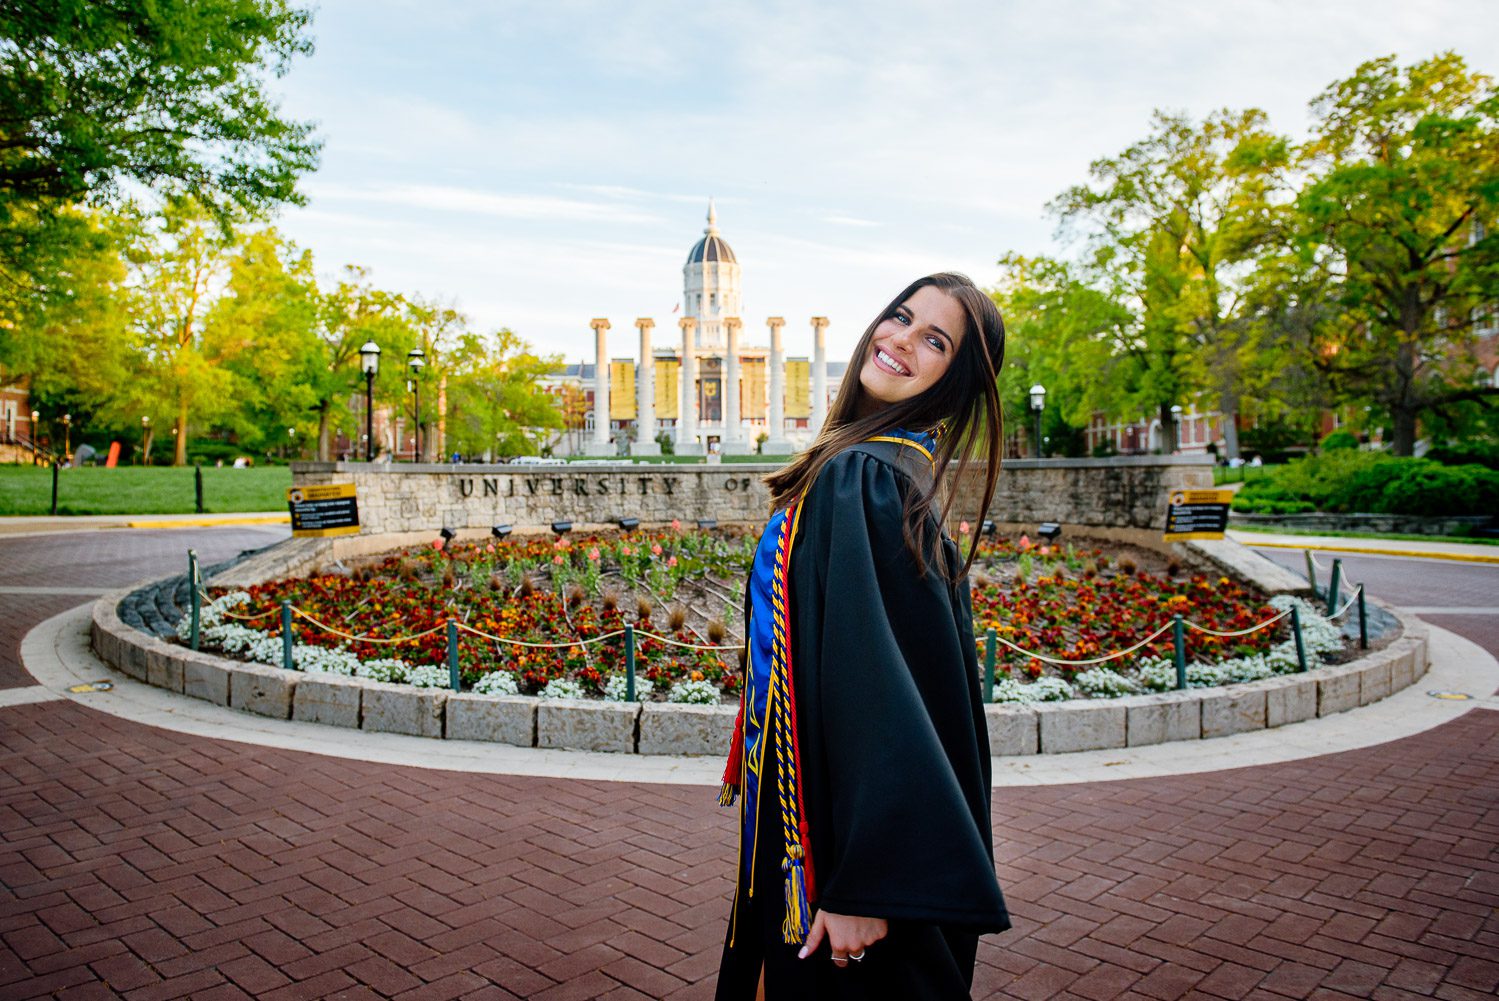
890	363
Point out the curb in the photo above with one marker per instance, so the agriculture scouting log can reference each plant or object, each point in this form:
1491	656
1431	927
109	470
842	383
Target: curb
1420	554
210	522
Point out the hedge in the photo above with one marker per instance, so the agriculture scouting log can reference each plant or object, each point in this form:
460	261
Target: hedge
1372	482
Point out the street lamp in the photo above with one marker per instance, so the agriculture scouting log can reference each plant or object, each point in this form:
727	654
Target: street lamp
1176	428
145	440
67	436
36	420
1038	403
369	362
416	358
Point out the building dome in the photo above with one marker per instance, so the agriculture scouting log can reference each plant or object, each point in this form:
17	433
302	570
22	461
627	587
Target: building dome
712	248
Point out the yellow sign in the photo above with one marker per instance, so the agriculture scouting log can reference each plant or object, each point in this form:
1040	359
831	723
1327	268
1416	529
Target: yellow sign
1197	514
323	509
622	390
798	388
668	385
754	392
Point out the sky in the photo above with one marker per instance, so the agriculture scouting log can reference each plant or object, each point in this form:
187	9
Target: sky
539	164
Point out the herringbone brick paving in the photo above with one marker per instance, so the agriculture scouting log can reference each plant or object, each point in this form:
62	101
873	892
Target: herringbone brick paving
143	864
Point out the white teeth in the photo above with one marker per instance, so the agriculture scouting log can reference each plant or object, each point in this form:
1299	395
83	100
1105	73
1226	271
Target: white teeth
892	362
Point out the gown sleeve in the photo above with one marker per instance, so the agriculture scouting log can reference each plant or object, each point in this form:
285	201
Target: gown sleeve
895	754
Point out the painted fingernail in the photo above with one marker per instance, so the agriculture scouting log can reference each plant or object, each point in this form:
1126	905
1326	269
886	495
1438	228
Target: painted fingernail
802	954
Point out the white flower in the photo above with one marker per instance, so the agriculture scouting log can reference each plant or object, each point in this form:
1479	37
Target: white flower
386	669
428	676
497	683
562	688
1045	689
1103	683
703	693
614	688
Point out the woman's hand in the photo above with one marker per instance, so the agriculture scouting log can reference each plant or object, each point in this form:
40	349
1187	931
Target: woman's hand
847	936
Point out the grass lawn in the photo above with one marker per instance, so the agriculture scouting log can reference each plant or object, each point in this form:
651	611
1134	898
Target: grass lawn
1394	536
142	490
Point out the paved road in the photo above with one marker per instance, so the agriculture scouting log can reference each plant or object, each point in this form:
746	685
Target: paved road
147	865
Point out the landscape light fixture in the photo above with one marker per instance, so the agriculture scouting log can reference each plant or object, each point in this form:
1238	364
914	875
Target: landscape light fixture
989	528
369	363
447	534
562	527
629	524
1049	531
707	524
416	358
1038	403
501	531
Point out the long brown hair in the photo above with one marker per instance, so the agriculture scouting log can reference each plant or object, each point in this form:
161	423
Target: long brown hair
962	408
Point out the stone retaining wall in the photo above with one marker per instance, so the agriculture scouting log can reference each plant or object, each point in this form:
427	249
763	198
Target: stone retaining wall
658	728
1406	524
1125	492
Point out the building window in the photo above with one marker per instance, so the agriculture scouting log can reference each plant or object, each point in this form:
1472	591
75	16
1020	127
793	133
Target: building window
1485	322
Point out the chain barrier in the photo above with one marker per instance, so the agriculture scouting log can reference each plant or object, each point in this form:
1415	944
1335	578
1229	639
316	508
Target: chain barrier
1094	660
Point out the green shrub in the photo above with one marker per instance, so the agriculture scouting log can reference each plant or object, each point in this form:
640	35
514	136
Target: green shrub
1420	487
1482	453
1339	440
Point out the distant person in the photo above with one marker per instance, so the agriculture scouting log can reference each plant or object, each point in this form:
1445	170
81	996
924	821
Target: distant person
866	867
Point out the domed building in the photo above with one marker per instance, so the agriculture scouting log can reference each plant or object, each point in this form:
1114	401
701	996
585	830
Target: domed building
707	393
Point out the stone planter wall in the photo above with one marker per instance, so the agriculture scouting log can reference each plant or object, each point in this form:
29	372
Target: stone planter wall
657	728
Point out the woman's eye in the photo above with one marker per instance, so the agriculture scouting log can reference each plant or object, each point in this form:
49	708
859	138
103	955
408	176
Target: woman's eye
936	342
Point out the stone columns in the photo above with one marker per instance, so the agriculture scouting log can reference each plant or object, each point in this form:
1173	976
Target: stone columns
600	444
777	445
645	394
733	427
819	373
687	443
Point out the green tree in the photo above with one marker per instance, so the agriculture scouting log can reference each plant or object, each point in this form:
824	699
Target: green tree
352	312
1174	223
1399	215
496	406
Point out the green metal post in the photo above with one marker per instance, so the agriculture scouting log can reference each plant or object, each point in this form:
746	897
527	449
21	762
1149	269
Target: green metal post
1300	644
286	658
55	468
629	663
1363	621
1334	586
989	651
453	678
198	485
1179	640
195	597
1311	571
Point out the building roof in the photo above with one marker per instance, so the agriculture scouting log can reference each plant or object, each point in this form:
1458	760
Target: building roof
712	248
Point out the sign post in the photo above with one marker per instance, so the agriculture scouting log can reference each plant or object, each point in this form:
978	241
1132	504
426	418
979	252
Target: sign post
327	509
1197	514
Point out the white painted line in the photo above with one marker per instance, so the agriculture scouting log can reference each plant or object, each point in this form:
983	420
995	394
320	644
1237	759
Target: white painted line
26	696
1441	610
85	592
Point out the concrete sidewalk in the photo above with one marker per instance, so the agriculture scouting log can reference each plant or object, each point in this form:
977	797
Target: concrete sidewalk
1467	552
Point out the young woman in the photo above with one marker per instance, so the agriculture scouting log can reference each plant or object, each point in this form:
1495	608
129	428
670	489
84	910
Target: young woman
866	868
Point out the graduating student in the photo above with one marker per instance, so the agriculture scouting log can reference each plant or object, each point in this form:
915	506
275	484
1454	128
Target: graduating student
860	757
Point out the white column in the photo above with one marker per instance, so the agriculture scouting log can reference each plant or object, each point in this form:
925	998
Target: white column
600	388
733	429
819	373
687	443
645	394
777	445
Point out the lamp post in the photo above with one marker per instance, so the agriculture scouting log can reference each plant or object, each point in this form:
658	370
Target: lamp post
369	361
67	436
36	421
1176	428
416	358
145	440
1038	403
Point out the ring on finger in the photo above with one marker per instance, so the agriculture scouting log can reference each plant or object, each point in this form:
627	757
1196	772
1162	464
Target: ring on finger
839	960
857	957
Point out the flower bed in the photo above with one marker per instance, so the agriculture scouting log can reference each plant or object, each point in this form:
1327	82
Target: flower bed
569	599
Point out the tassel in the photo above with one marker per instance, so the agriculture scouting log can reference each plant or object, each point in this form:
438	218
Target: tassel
798	922
727	793
735	765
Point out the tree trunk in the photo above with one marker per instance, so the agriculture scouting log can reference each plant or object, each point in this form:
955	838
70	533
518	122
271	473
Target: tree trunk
179	456
1229	407
1404	438
322	433
1168	430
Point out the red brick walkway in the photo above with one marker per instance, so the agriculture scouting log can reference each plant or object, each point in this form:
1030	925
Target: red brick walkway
144	864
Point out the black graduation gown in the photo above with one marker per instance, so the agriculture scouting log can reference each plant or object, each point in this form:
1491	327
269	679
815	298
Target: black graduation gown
895	755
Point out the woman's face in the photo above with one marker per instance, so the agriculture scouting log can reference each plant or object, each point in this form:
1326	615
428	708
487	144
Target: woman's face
913	348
